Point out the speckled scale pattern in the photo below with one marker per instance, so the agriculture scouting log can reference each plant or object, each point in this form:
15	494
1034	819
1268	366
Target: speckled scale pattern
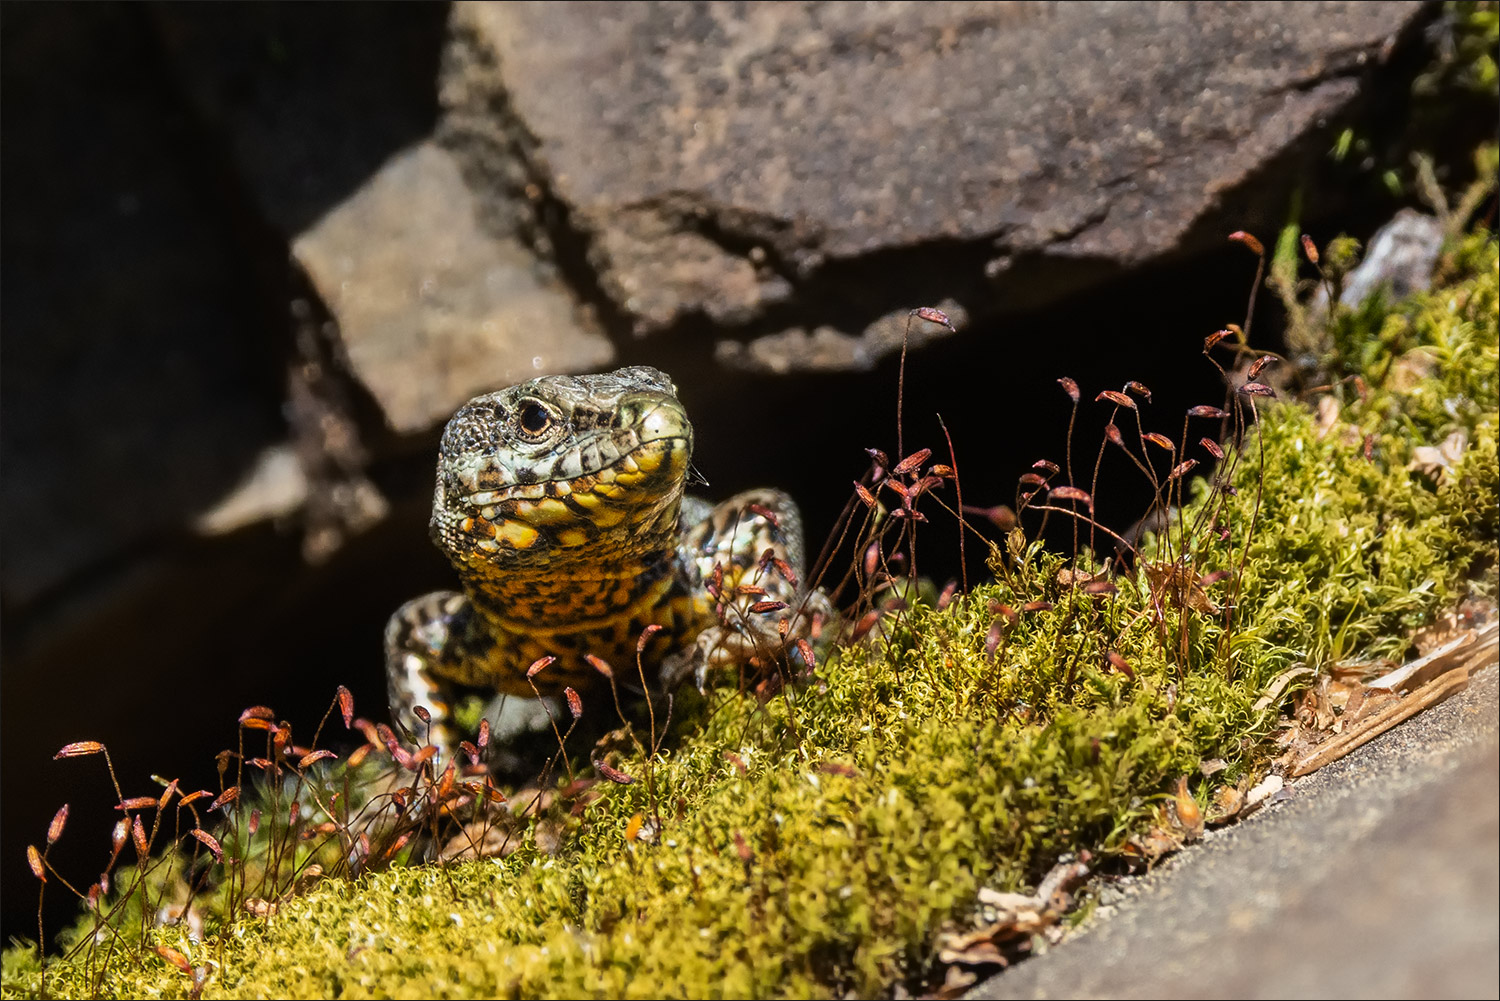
559	503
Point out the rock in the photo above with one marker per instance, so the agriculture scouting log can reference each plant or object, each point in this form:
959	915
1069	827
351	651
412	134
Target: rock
275	487
736	162
829	348
1377	879
432	310
1400	260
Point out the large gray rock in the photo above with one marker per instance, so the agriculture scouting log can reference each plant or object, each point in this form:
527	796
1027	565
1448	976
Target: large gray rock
1379	877
731	162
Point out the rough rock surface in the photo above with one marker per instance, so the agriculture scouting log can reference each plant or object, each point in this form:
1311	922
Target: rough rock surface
724	161
1379	877
431	309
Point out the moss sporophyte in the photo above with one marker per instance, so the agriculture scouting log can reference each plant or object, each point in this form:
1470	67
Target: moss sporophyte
814	832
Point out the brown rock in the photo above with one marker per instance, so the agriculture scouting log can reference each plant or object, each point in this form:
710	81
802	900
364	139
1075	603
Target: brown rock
431	309
722	160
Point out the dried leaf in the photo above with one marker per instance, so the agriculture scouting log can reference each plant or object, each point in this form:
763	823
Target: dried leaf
1073	494
59	821
1430	694
1240	236
174	957
1450	656
1189	816
261	908
645	637
912	462
612	773
1160	441
932	315
1182	468
1119	663
1264	790
210	841
78	749
1309	248
1178	583
1259	364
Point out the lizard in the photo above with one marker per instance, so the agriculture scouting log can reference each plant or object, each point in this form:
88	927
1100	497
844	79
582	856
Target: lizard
561	504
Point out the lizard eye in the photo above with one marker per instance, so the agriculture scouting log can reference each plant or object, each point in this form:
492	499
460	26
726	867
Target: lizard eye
534	419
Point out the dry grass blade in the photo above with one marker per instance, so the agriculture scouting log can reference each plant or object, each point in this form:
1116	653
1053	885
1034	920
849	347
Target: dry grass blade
1455	653
1429	695
1015	917
1279	686
1426	682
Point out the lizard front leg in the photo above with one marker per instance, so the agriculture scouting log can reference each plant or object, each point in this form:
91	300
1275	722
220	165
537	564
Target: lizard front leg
424	665
748	552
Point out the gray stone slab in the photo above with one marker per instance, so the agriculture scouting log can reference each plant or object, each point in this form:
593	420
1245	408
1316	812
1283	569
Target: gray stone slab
1378	877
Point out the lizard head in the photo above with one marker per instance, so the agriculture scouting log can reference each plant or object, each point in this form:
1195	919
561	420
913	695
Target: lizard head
563	468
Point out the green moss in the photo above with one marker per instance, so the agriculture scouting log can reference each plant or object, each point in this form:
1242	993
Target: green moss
871	807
